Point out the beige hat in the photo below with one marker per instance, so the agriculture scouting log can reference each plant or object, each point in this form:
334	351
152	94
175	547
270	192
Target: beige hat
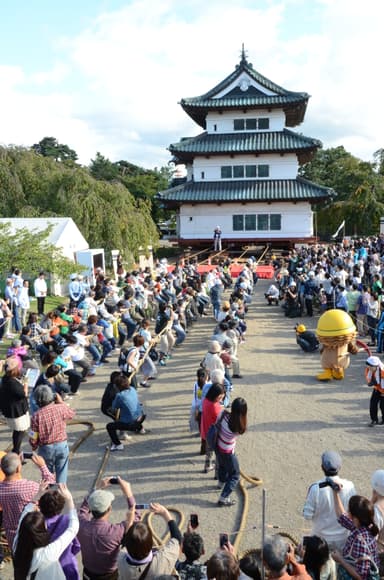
100	500
214	347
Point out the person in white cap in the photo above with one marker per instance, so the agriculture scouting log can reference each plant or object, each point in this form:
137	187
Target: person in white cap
374	375
319	504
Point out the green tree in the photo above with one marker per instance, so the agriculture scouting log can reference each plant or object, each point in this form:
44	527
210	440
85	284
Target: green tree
351	178
50	147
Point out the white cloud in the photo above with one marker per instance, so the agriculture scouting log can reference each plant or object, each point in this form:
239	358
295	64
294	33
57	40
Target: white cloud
115	87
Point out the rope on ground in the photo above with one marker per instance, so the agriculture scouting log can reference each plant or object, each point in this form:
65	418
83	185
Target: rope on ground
255	481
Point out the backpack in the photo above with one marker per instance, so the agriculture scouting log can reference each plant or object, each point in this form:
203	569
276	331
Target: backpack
123	356
213	432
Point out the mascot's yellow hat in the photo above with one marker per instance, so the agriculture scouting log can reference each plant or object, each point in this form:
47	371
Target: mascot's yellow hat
335	323
301	328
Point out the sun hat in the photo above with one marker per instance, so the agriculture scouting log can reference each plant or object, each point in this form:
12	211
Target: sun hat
373	361
100	500
214	346
331	462
377	481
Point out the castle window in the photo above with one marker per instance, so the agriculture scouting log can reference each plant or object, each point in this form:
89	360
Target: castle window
238	223
263	222
263	170
275	221
238	171
226	172
263	123
250	171
203	175
251	124
250	222
238	125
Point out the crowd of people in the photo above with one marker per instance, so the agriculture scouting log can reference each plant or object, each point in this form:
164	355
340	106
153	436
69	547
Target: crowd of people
143	318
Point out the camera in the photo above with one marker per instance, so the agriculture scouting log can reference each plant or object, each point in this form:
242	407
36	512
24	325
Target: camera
27	455
143	506
373	382
114	480
224	539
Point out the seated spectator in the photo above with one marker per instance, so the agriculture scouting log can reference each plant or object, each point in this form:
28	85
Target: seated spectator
317	560
110	392
192	548
277	554
51	505
138	559
272	295
306	339
75	352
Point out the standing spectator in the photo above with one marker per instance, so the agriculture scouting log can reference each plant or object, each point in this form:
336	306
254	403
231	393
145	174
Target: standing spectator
35	554
16	492
215	295
100	540
217	239
232	425
374	375
211	409
48	431
277	554
14	402
51	505
319	504
24	302
139	560
40	288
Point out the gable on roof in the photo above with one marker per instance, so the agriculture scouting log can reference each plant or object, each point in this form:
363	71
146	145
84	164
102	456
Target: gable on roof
247	87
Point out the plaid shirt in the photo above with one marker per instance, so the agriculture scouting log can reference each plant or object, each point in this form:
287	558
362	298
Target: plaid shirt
49	423
14	496
360	545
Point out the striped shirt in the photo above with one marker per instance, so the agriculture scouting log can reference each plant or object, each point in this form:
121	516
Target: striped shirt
226	441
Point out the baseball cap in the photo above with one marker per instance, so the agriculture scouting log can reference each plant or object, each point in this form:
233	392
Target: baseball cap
331	461
100	500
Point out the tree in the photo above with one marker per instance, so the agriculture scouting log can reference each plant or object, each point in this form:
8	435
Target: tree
50	147
351	178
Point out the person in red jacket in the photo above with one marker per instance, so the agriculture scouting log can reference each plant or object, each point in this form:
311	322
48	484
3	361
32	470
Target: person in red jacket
211	409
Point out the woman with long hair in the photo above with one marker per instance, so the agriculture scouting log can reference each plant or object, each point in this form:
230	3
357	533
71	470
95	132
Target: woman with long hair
211	409
317	559
360	554
35	556
232	425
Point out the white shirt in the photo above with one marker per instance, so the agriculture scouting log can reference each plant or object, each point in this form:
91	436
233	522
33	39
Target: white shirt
320	508
40	287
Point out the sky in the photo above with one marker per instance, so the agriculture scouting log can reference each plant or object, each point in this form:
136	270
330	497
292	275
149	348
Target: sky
107	75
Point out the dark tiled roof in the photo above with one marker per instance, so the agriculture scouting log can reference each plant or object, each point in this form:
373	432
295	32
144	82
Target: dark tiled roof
242	142
246	190
294	103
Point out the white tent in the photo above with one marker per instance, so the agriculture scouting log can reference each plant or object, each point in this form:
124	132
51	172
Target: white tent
65	235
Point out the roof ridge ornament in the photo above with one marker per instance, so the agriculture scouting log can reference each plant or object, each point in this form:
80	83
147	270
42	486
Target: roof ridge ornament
243	57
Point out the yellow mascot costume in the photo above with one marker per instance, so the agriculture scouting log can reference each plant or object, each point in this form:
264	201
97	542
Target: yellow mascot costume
336	333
